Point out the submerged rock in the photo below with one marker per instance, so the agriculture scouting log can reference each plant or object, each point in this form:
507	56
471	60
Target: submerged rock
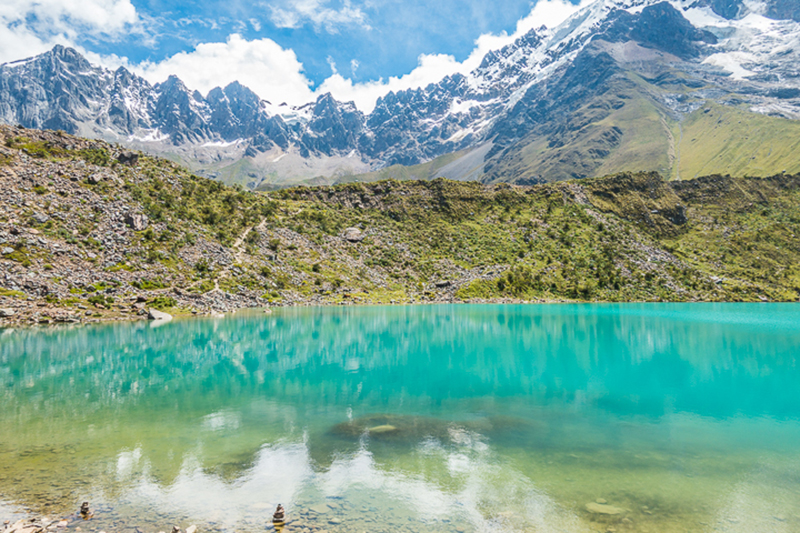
386	428
605	509
401	428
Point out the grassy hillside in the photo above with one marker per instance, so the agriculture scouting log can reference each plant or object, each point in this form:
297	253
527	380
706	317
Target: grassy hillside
731	140
72	250
425	171
628	128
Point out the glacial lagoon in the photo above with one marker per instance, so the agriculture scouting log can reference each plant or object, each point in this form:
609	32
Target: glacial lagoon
479	418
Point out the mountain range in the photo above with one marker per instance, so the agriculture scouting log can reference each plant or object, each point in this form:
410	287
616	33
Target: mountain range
680	87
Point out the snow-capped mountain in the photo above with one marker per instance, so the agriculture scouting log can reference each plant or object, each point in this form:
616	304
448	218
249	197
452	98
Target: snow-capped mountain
621	85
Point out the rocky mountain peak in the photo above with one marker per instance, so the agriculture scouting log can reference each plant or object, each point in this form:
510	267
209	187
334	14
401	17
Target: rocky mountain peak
555	89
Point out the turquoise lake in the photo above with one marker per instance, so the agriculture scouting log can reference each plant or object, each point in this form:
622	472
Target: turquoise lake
452	418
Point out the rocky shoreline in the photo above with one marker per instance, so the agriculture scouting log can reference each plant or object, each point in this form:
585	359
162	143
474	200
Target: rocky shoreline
45	524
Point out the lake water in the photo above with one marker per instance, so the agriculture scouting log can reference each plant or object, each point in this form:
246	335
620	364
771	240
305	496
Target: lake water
412	419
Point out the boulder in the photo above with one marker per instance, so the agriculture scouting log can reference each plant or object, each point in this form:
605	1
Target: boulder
128	158
353	235
155	314
7	250
137	221
40	218
601	508
96	178
5	313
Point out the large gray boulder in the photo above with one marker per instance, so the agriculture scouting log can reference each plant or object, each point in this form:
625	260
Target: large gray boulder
137	221
155	314
353	235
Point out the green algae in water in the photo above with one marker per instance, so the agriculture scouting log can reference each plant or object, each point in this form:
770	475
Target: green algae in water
446	418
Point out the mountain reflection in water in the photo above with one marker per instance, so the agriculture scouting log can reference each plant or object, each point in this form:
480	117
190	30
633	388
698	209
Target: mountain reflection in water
437	418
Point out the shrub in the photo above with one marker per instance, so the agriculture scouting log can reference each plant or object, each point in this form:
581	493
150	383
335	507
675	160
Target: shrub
163	302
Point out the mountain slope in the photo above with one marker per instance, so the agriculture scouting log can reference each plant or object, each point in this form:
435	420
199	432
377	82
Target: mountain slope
611	89
88	232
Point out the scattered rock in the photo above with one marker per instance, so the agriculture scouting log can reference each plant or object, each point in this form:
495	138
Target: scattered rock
40	218
96	178
600	508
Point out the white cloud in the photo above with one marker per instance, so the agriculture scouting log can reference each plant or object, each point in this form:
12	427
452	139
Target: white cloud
319	15
273	72
432	68
262	65
28	28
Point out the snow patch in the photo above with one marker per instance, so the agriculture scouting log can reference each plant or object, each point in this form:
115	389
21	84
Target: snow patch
222	144
731	62
279	158
457	106
151	136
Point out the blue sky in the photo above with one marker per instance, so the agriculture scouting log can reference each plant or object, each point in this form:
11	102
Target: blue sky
384	37
287	50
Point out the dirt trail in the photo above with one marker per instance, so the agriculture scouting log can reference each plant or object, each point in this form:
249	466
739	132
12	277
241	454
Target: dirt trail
238	245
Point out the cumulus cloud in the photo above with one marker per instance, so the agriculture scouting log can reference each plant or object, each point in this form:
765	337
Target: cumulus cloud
28	28
319	14
274	73
271	71
432	68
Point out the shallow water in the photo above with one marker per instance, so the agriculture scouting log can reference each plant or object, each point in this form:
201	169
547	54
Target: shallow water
444	418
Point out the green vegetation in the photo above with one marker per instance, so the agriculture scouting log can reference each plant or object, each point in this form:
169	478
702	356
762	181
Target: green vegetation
36	149
628	237
94	156
8	293
170	192
631	237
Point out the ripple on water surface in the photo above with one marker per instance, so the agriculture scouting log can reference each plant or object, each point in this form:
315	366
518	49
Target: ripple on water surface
565	418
